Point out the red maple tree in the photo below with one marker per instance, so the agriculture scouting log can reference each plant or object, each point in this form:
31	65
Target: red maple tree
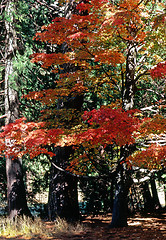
93	41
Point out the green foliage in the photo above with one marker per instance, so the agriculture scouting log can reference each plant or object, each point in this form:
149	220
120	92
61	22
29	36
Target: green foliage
97	196
31	16
37	175
150	92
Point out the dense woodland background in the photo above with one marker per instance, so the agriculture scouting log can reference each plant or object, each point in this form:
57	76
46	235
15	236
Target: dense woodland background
91	178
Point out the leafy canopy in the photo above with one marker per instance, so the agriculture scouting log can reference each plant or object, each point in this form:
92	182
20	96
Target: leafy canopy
96	42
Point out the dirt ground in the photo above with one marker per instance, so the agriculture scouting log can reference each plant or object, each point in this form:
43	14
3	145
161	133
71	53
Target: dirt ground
138	228
96	228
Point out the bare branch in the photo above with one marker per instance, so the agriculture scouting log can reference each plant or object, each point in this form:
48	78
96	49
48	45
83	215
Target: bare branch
142	74
3	116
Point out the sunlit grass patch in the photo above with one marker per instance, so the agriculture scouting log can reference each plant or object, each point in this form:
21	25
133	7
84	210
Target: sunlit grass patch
28	228
22	226
62	227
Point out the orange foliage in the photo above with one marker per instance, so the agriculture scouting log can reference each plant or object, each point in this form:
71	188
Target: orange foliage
21	138
152	158
152	131
86	36
154	125
108	126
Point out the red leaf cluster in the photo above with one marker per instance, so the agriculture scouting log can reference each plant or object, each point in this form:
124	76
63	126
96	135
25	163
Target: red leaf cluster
159	71
108	126
153	157
21	137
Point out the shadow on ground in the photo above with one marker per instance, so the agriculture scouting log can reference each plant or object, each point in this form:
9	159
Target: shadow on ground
96	228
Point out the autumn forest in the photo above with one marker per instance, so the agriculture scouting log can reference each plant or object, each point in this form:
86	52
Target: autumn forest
82	117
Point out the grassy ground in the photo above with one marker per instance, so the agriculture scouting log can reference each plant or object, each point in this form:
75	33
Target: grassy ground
92	228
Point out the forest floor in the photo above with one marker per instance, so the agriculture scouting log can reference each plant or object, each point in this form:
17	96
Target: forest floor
149	227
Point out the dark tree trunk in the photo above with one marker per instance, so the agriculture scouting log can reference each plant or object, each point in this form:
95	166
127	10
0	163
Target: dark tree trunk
63	196
119	217
16	197
119	214
148	201
123	182
112	194
155	197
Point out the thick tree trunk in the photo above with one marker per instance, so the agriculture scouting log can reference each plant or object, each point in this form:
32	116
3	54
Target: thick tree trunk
119	214
155	197
148	201
16	196
63	196
123	182
119	217
63	193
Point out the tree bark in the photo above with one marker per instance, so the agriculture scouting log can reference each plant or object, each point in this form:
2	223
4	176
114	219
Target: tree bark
119	214
63	193
16	196
123	182
63	196
155	197
129	88
119	217
148	201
